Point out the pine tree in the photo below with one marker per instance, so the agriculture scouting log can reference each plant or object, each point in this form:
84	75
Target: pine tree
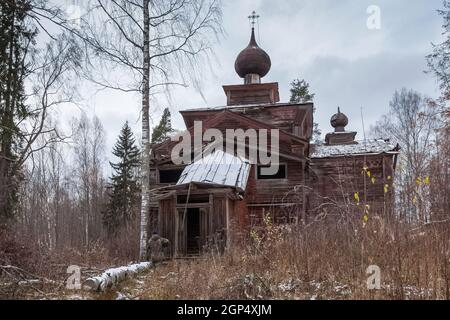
161	132
124	188
300	94
16	40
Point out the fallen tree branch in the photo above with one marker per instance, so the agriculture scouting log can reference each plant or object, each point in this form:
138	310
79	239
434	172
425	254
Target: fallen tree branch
22	277
113	276
25	276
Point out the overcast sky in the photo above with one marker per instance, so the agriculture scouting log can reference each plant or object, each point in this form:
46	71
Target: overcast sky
325	42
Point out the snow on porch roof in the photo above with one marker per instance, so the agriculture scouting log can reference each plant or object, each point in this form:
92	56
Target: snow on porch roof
377	146
218	168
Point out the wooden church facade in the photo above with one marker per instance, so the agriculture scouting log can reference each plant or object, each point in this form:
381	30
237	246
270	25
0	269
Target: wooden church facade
207	203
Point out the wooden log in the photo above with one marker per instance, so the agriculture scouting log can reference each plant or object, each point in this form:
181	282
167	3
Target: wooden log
114	276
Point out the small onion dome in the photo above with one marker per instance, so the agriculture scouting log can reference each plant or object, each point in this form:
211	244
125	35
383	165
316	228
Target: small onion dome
339	121
252	60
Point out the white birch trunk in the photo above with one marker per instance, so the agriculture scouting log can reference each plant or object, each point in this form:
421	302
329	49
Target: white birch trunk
112	277
145	165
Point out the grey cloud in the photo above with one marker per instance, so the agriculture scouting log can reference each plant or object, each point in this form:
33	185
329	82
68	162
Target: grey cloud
324	41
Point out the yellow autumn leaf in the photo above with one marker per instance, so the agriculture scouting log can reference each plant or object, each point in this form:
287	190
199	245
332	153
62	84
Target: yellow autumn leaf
373	180
386	188
427	181
415	199
369	174
419	181
356	195
366	218
389	177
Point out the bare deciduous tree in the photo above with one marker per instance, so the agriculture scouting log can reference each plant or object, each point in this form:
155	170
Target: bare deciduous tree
36	81
411	122
156	43
64	189
88	157
52	79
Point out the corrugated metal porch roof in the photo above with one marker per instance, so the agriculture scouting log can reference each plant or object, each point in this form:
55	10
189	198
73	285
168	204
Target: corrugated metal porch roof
218	168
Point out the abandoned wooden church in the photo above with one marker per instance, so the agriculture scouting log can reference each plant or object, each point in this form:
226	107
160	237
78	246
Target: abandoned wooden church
218	195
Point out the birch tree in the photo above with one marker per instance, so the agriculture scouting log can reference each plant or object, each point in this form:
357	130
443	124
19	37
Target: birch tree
139	46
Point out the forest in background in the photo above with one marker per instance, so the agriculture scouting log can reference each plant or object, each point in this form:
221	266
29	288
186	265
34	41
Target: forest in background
56	200
54	192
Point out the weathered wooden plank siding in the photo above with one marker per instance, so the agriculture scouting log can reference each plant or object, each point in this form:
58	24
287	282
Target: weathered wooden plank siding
219	214
285	117
340	178
167	215
261	191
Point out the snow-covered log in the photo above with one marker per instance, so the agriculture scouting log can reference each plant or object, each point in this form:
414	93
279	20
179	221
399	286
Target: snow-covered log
113	276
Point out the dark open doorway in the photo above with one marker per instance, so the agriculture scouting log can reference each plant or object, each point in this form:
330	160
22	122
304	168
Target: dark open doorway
193	231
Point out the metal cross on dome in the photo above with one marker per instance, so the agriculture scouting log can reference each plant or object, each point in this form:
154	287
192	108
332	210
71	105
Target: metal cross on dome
253	18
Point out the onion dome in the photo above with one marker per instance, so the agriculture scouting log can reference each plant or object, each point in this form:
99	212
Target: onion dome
252	61
339	121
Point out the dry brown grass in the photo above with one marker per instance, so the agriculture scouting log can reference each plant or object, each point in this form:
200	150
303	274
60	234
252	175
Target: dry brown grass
322	261
22	260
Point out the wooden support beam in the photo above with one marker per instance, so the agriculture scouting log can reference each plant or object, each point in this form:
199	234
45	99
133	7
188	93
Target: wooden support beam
211	214
228	231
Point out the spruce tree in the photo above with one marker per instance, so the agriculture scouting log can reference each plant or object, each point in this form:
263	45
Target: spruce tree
300	94
161	132
124	188
16	40
439	59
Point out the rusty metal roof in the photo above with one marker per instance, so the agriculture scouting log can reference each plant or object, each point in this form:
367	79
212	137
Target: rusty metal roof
218	168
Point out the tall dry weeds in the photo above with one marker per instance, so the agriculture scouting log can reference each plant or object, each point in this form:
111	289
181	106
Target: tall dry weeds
320	261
